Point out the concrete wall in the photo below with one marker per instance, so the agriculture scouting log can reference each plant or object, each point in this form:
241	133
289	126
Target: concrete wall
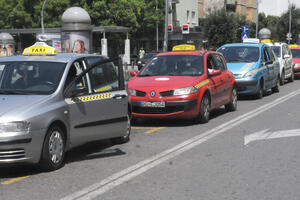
186	13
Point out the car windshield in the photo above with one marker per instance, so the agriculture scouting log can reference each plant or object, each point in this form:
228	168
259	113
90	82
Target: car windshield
295	53
30	77
240	54
174	65
276	50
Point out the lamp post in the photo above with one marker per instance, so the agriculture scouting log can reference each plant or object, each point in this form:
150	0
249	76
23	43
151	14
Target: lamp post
156	30
290	21
42	16
256	28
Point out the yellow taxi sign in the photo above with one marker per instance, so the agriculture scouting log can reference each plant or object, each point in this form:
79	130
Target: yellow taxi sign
267	41
184	47
40	48
293	46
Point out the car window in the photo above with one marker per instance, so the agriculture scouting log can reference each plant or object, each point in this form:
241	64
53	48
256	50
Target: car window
104	77
32	77
277	50
174	65
219	63
296	53
265	55
271	54
76	69
240	53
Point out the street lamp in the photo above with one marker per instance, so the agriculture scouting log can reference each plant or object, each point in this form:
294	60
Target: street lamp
166	25
290	21
42	16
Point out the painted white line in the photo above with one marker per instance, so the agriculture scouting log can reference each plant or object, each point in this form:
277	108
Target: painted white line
119	178
265	135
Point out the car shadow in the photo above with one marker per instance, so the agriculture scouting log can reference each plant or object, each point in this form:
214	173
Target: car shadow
89	151
253	97
175	122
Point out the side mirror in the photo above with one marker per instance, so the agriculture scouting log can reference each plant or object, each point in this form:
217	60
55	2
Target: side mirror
286	56
269	62
133	73
215	72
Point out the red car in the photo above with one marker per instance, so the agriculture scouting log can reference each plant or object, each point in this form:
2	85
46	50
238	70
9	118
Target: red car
296	60
182	84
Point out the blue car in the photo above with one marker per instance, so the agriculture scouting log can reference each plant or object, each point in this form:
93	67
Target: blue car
255	67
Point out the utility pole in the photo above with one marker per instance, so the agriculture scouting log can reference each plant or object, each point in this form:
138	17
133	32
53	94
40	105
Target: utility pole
166	26
290	21
256	30
156	29
42	16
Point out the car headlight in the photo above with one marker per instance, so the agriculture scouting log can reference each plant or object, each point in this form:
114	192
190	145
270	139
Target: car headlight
297	65
13	127
251	73
132	92
185	91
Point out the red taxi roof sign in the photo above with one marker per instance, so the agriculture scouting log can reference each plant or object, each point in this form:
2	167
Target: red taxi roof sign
184	47
39	48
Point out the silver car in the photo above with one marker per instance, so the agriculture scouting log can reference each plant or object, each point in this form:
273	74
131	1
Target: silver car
50	104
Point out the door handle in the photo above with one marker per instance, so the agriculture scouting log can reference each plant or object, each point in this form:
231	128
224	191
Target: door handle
119	96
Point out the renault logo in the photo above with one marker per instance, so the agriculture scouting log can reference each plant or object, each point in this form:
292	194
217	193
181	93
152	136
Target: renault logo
152	94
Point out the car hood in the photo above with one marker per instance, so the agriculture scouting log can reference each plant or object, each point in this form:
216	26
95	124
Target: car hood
296	60
14	105
162	83
241	68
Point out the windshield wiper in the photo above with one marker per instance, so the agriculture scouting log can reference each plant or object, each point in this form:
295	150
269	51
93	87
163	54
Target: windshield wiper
145	75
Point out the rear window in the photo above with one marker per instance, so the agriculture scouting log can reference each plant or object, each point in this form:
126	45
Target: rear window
240	54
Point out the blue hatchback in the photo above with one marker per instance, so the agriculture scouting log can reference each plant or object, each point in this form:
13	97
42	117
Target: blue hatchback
254	65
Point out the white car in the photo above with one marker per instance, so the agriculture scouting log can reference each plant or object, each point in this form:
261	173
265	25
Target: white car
285	59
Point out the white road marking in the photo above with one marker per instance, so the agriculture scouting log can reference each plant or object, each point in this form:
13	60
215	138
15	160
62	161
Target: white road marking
125	175
265	135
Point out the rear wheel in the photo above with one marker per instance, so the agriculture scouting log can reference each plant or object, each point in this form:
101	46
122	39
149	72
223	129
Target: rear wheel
282	78
53	149
276	88
232	105
126	137
204	112
291	79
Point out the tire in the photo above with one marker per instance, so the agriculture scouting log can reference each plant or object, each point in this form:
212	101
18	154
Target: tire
203	116
232	105
282	78
275	89
292	78
260	92
53	154
125	138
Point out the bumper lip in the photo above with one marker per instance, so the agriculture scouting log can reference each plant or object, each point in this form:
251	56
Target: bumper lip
15	141
241	82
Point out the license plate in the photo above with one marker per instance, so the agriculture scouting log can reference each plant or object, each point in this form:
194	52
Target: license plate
157	104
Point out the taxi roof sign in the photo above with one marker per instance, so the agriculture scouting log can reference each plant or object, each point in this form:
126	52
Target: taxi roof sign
251	40
293	46
38	49
184	47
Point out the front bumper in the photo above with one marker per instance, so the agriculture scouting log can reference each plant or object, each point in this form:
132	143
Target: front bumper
247	86
172	109
23	148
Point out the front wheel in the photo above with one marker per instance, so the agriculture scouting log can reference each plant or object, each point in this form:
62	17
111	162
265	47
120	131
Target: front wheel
204	112
276	88
53	149
292	78
282	78
232	105
260	92
126	137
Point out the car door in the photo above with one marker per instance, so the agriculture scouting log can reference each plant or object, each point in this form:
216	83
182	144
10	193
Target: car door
101	110
216	81
275	67
288	59
266	67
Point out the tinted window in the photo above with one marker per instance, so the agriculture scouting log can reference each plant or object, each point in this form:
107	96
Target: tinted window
219	63
240	54
296	53
31	77
174	65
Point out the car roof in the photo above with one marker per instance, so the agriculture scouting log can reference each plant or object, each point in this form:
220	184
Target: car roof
60	57
244	44
197	52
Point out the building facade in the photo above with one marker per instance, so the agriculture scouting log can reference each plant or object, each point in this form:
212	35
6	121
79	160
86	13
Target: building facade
240	7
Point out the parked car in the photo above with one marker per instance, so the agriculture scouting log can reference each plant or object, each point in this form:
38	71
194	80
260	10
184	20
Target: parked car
254	66
285	59
52	102
182	84
296	60
146	58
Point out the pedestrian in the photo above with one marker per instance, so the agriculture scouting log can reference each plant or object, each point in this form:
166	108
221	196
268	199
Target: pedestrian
141	53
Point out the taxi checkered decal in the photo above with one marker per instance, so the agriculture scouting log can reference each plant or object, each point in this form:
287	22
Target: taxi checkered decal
93	97
199	85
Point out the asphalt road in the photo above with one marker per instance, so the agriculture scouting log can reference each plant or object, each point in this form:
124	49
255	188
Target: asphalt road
252	153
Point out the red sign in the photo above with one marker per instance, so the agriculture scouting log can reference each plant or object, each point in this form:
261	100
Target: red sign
185	29
170	28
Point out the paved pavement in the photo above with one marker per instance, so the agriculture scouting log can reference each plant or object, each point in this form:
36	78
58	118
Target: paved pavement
180	160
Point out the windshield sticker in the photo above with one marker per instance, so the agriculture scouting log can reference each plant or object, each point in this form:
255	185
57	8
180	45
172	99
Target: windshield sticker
162	79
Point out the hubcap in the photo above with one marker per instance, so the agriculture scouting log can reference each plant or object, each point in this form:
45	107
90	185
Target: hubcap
56	147
206	107
128	126
234	97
